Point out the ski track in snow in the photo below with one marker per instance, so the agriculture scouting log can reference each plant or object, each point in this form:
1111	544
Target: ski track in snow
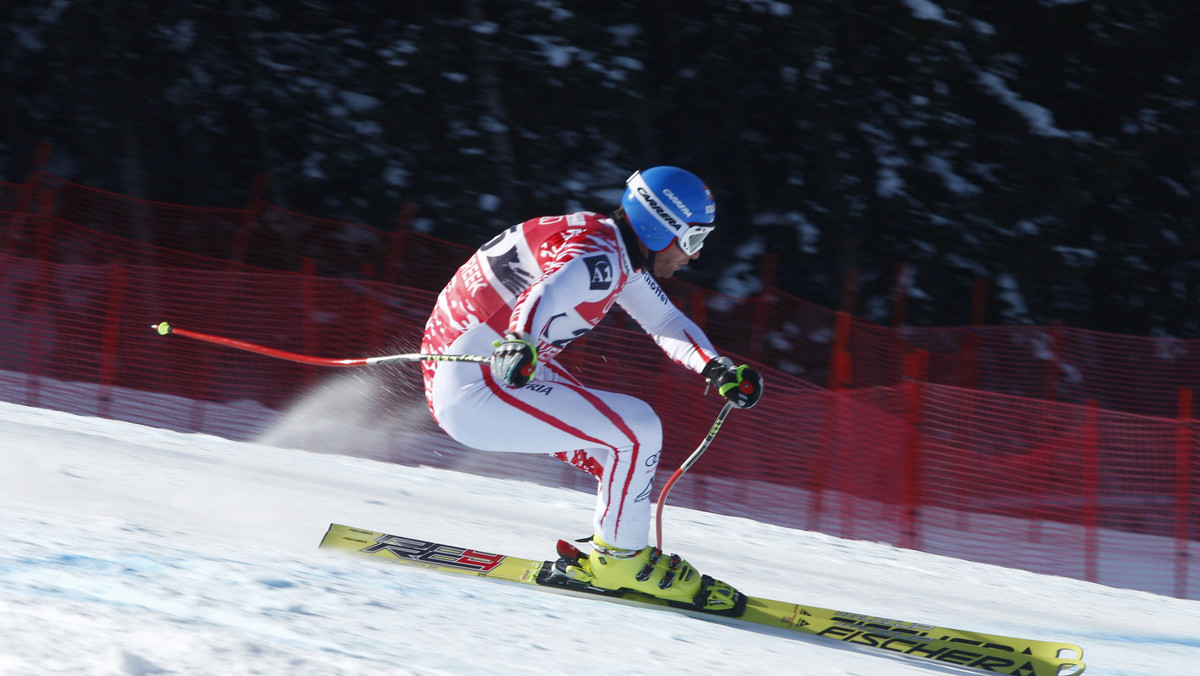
132	551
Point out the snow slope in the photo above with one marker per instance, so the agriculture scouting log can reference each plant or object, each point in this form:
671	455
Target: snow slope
128	550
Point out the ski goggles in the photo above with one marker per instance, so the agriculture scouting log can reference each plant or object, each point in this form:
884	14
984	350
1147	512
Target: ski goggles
692	239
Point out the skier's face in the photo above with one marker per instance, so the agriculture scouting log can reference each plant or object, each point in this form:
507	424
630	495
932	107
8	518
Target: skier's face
668	261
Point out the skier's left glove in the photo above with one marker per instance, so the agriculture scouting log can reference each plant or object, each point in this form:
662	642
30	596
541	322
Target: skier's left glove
514	360
740	384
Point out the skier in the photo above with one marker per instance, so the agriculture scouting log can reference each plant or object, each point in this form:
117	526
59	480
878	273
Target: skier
529	292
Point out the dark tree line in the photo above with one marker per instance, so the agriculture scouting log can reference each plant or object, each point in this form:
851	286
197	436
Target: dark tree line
1048	148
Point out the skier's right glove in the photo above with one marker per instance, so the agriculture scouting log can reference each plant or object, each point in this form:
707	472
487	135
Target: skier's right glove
514	360
740	384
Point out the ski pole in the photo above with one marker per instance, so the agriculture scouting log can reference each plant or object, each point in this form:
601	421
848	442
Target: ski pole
163	329
662	497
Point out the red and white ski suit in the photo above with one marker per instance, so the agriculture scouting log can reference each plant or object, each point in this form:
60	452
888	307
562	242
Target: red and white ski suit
554	279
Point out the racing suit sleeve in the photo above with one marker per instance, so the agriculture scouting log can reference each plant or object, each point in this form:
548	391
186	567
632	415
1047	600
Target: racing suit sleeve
673	331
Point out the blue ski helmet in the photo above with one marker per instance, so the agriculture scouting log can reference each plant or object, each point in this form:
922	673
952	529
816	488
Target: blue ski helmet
665	204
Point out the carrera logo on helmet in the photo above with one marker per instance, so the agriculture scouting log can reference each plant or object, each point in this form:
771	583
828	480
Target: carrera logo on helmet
658	209
687	213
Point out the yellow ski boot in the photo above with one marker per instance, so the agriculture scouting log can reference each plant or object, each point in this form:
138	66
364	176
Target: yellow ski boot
650	572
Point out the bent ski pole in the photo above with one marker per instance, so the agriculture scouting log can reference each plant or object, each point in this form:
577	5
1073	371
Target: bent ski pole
163	329
662	497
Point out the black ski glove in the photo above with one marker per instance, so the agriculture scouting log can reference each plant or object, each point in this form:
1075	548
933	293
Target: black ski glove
740	384
514	360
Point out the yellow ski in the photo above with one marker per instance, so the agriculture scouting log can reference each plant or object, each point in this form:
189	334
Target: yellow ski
989	653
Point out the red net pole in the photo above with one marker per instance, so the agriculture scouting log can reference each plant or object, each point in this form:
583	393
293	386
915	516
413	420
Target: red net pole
308	296
245	228
39	309
44	249
1183	490
41	305
25	201
914	372
111	338
830	426
399	244
1050	385
762	309
1091	487
970	372
839	360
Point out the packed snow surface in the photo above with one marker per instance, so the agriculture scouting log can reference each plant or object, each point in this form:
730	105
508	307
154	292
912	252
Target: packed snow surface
129	550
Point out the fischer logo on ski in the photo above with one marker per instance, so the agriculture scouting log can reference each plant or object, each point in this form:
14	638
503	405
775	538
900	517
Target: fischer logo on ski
921	645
